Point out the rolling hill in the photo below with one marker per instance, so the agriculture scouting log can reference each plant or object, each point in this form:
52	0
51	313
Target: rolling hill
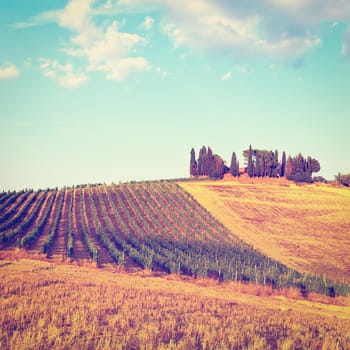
159	226
125	237
306	227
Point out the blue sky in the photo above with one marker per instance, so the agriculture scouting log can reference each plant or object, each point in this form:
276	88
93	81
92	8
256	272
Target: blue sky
102	91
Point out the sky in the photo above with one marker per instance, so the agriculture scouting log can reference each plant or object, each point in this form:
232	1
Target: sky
118	90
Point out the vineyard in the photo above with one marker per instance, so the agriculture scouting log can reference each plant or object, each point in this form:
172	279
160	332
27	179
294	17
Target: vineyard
147	225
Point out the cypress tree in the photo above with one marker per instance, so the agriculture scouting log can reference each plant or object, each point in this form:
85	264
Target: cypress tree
233	168
201	160
289	167
250	168
283	164
193	163
209	163
263	165
275	164
269	164
258	164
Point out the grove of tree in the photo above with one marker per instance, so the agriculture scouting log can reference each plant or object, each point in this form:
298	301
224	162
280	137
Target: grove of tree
258	163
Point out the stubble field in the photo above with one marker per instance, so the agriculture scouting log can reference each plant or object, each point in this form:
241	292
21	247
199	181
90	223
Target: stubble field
46	306
306	227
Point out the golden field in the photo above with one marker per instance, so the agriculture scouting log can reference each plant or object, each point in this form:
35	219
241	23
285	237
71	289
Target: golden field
45	305
306	227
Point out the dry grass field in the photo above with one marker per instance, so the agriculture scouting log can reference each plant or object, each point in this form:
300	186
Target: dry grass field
45	306
306	227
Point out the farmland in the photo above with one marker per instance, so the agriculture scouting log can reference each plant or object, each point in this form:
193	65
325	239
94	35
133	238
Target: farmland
150	265
48	305
307	227
156	226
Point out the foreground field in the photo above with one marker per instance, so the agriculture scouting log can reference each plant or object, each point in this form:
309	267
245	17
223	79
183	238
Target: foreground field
305	227
47	305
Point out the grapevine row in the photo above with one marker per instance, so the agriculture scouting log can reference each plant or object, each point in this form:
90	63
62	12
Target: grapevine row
49	239
28	222
9	218
106	242
154	221
10	198
121	238
70	226
3	196
205	220
36	230
166	216
11	210
90	245
131	246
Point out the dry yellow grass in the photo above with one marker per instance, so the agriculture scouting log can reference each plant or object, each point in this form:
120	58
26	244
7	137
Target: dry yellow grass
305	227
47	305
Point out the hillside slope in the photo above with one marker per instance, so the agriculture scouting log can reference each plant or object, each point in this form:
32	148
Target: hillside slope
306	227
60	306
154	225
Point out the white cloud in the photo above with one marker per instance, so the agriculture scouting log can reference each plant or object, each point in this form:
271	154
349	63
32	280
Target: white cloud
40	19
147	23
214	26
63	74
279	29
227	76
283	29
76	15
313	11
9	71
106	48
205	25
119	70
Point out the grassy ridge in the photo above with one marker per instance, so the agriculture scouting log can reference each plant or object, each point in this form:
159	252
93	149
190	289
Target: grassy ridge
68	307
305	227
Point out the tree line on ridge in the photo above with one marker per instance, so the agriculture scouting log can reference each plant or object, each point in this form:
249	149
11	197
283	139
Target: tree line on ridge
258	163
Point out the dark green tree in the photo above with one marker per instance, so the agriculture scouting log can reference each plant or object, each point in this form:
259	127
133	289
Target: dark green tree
250	165
315	166
283	164
217	168
289	167
302	169
201	161
259	164
209	167
343	179
193	164
234	170
276	165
